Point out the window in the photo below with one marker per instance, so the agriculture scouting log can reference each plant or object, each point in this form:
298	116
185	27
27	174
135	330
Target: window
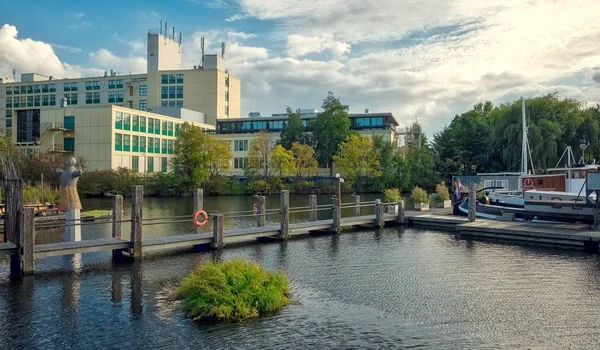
115	84
239	163
52	100
16	102
9	90
164	92
36	101
179	78
179	91
119	120
69	144
377	121
136	123
226	110
69	122
170	146
88	85
72	99
29	101
118	142
171	104
36	89
503	184
240	145
177	130
88	98
164	79
150	125
156	126
119	96
73	86
52	88
171	91
23	89
126	139
150	164
126	121
23	101
67	87
143	105
226	95
142	144
9	102
45	100
164	146
227	81
150	144
143	90
179	104
96	97
96	85
9	112
164	164
135	164
112	96
156	145
135	144
44	87
142	124
164	128
170	129
16	90
172	79
8	124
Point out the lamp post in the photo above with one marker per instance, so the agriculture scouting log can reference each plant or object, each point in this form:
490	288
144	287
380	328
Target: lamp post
340	180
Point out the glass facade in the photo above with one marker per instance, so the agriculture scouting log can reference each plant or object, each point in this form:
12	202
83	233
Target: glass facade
253	125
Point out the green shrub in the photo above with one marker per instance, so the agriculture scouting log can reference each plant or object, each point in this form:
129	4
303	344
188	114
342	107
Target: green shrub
256	186
31	195
391	195
442	193
302	186
419	195
234	290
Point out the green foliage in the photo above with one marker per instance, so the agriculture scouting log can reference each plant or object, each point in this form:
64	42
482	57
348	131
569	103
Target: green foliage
330	129
419	195
235	290
256	186
357	159
293	131
259	155
391	195
283	161
442	192
191	158
31	195
304	156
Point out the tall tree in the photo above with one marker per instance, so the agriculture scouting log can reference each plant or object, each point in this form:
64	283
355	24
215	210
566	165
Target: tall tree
293	131
219	156
305	158
357	159
283	161
330	129
190	157
259	155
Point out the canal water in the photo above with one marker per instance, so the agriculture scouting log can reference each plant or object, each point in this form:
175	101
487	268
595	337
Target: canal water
390	288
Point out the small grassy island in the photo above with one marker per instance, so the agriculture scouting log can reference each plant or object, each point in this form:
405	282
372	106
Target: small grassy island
234	290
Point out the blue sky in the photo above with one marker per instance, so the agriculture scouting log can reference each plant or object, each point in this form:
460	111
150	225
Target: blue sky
428	59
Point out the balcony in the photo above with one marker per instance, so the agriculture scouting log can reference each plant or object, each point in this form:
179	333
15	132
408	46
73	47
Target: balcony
58	149
57	127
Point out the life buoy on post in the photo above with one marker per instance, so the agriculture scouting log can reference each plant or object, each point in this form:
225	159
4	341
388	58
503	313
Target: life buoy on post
200	223
528	183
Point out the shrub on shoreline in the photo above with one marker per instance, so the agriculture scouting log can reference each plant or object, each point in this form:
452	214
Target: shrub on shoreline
234	290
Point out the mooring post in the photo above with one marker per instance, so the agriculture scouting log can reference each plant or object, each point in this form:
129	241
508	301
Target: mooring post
27	240
312	203
261	218
472	205
337	215
401	211
285	215
217	242
356	211
117	217
198	203
136	221
379	213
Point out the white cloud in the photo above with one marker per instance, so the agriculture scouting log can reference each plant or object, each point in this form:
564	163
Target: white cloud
68	48
235	50
106	60
79	15
300	45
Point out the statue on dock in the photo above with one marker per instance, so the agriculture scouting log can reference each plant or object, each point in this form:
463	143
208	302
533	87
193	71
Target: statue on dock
69	200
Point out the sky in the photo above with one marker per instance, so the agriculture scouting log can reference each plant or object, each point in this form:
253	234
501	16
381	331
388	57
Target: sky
424	60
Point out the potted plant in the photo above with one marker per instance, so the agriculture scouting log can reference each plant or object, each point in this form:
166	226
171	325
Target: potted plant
420	198
391	195
442	196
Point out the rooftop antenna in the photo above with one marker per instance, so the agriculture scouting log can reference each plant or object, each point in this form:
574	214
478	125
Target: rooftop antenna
223	49
202	49
14	74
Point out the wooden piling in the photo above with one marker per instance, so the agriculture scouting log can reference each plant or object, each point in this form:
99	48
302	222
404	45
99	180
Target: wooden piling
261	217
379	214
356	209
217	242
198	203
27	241
401	213
596	225
117	217
285	214
472	205
312	203
136	221
337	216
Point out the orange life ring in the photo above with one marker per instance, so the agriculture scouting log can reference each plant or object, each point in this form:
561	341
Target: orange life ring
197	222
528	183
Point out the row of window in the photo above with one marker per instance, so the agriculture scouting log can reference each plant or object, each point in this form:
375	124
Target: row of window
123	121
240	163
115	96
70	87
278	125
172	103
135	143
171	92
30	89
92	85
171	79
31	101
143	90
115	84
92	98
135	164
240	145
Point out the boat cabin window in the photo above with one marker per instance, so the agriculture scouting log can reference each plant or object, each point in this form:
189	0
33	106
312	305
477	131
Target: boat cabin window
540	181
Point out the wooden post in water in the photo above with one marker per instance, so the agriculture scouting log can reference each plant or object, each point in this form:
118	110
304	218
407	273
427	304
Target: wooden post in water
198	203
217	242
472	205
117	217
379	213
285	215
312	203
136	221
356	209
27	241
337	215
401	211
261	218
596	225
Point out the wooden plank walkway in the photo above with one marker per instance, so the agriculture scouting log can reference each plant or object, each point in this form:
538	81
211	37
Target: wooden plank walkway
68	248
7	249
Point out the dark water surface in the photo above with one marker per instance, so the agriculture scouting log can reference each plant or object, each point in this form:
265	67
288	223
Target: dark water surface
394	288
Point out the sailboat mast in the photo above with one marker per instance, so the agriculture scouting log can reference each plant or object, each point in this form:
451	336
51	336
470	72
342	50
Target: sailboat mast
524	142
